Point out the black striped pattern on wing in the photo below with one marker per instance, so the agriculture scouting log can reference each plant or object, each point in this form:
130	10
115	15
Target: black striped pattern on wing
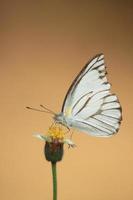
79	77
106	121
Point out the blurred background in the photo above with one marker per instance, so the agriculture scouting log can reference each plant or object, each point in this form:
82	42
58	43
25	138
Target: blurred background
44	44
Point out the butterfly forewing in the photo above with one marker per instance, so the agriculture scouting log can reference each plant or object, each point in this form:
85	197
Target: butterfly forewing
94	109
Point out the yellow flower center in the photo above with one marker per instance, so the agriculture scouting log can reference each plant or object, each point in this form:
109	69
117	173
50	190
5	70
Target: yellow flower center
56	132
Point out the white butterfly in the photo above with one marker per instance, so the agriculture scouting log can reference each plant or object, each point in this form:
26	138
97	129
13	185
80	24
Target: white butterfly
89	105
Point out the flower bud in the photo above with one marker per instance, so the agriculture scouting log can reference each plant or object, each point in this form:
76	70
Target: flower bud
53	151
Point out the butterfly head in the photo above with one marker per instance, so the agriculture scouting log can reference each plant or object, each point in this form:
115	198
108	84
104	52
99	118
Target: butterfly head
60	118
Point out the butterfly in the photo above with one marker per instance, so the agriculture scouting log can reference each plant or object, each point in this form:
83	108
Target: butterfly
89	106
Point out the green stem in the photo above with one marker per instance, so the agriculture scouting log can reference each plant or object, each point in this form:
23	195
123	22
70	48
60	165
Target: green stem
54	180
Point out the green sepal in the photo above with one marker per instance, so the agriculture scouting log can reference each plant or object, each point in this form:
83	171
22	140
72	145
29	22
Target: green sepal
53	151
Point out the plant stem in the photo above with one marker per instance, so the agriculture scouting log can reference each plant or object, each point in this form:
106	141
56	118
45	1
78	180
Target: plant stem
54	180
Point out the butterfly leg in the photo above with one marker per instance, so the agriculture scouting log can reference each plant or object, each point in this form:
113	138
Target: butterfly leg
71	135
68	129
53	124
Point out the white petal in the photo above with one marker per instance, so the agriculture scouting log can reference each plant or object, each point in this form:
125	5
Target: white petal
42	137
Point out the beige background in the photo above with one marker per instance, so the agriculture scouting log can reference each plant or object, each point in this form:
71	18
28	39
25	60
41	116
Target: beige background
43	45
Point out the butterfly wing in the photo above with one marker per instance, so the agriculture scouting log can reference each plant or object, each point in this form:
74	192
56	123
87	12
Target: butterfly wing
89	103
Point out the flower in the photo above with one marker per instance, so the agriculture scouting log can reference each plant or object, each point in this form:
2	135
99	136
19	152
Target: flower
54	142
55	134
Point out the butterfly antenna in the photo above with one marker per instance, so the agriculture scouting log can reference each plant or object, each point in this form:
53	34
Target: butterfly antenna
35	109
52	112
